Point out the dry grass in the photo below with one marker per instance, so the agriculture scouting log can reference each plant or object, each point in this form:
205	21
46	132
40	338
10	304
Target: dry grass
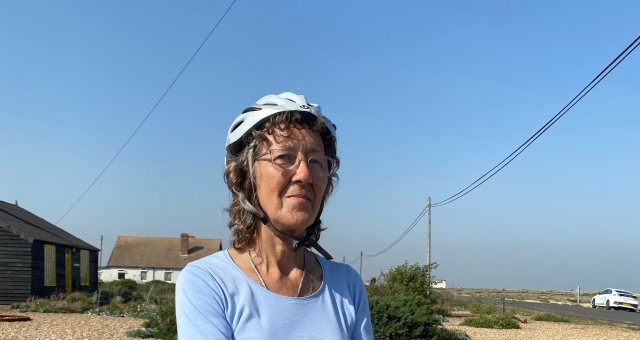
534	330
565	297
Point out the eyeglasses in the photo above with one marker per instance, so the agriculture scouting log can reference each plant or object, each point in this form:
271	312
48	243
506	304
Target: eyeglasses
285	160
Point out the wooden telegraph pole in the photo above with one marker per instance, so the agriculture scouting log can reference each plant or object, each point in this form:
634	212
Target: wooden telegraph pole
429	231
361	263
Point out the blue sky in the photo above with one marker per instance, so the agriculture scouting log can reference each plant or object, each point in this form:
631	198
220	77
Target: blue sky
427	96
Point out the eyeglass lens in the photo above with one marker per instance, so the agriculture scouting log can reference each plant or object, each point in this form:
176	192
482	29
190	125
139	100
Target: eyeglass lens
286	160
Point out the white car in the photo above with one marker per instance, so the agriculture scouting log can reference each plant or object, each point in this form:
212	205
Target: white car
616	299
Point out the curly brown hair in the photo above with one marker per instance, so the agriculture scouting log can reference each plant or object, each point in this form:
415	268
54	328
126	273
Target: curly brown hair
240	177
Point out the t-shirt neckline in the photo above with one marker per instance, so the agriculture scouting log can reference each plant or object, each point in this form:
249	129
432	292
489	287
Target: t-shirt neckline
265	291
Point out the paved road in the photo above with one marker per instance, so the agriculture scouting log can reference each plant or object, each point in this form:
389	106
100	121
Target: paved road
602	314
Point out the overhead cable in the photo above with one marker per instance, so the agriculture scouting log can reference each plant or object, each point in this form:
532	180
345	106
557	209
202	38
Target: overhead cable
546	126
149	114
519	150
413	224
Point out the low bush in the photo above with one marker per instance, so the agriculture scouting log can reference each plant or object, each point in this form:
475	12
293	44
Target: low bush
123	288
550	317
115	285
450	334
163	322
498	321
402	316
141	333
80	302
34	305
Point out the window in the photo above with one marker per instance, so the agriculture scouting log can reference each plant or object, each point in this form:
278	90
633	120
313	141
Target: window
167	275
121	274
99	274
49	265
143	274
84	267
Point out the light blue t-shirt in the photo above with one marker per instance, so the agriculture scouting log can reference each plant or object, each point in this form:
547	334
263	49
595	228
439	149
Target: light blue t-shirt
215	299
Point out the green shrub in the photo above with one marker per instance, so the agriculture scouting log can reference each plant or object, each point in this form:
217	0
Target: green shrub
402	316
104	296
141	333
499	321
164	322
123	288
19	305
550	317
80	301
43	306
404	279
451	334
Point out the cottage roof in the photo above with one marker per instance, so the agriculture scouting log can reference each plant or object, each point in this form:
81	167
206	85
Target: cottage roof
159	252
31	227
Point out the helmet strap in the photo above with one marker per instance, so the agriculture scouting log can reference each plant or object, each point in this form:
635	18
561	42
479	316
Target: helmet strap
305	241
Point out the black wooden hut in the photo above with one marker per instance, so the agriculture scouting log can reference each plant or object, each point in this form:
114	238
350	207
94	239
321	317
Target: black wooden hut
37	258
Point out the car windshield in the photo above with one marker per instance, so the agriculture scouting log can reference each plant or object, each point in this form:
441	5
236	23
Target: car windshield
624	292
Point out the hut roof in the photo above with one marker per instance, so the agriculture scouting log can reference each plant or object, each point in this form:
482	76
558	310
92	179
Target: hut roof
31	227
159	252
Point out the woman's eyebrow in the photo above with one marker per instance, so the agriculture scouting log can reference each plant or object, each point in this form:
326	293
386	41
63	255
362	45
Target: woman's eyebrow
293	147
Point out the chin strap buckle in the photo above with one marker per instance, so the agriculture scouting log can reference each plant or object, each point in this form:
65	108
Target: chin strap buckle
300	244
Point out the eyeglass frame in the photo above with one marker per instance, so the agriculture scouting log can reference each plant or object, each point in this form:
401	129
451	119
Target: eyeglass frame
334	162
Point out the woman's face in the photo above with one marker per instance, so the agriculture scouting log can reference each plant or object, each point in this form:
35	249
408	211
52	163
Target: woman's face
291	199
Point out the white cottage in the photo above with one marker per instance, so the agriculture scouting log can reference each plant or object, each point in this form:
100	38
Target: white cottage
439	283
143	258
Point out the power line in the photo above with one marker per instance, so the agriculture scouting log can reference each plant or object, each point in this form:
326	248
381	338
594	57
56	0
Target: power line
413	224
149	114
520	149
354	260
546	126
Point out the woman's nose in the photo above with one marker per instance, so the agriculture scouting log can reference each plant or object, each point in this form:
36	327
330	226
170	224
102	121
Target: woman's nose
302	172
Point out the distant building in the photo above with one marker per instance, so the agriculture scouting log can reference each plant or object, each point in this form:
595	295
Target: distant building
144	259
439	283
37	258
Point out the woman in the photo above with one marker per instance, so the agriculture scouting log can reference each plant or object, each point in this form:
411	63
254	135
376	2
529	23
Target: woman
280	168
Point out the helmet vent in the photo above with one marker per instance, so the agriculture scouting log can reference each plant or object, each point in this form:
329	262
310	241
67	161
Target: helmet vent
290	100
251	109
235	127
272	104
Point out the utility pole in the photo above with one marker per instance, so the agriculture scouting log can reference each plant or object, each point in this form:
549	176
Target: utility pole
429	231
100	265
361	264
344	259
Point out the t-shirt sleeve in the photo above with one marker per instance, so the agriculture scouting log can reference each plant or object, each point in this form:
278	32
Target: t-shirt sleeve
200	306
363	329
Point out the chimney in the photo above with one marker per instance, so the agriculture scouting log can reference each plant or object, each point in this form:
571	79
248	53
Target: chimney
184	244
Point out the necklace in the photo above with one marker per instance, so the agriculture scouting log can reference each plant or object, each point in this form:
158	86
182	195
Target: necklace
304	273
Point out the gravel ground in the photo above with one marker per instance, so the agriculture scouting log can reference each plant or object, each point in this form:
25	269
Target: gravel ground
542	330
58	326
51	326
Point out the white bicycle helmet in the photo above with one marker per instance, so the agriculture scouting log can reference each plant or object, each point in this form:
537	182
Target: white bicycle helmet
254	118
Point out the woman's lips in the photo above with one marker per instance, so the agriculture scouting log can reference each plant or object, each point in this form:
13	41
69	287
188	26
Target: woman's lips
299	198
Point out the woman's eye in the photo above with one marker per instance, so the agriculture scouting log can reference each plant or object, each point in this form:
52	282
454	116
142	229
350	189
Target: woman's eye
315	162
284	156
